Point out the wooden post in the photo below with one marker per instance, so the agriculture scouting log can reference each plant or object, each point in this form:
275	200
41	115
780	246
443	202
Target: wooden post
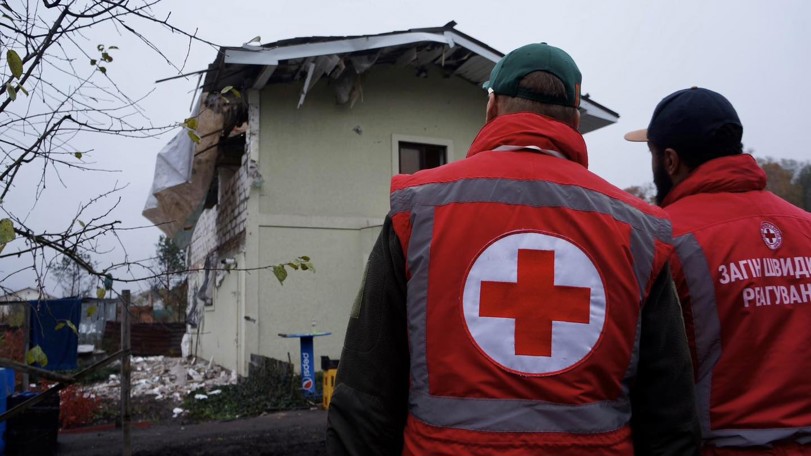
126	371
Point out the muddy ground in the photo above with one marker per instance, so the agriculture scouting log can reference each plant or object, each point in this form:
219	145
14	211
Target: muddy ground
299	433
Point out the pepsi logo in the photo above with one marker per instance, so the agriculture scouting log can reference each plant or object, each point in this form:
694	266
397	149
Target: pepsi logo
307	384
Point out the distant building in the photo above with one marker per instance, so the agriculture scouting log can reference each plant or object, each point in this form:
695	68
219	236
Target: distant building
26	294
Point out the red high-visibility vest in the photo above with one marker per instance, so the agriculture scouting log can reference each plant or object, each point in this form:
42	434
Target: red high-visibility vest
526	278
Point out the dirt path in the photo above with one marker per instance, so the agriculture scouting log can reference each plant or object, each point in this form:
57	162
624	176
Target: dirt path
299	433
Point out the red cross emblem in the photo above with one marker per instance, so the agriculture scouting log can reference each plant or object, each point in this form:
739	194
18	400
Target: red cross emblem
535	302
771	234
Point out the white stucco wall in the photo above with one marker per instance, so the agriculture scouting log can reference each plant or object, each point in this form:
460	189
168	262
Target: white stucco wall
219	328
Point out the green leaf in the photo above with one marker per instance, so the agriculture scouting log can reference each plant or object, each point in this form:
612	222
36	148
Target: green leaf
11	92
112	47
15	63
108	281
232	90
194	137
6	231
106	57
103	70
78	155
36	355
305	258
22	89
72	327
101	292
293	265
191	123
280	272
93	62
81	223
59	326
92	311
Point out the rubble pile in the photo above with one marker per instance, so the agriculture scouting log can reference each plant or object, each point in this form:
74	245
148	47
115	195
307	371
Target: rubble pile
166	378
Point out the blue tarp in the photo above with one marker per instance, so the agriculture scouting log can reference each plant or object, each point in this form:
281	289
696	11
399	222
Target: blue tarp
59	345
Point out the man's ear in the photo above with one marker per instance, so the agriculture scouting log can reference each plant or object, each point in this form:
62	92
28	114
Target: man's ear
672	162
492	108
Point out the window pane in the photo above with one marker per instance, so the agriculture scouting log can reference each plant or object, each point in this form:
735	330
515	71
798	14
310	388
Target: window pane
417	156
409	159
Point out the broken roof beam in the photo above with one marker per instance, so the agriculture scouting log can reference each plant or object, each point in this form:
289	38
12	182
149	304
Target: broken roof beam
315	69
429	55
264	75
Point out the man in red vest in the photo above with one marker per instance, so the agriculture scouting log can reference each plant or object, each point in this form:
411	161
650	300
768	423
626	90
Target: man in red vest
743	272
515	303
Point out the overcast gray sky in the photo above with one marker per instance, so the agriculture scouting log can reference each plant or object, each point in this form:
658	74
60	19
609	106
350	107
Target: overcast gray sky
631	53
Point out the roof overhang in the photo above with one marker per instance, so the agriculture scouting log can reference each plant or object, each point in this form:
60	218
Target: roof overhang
467	57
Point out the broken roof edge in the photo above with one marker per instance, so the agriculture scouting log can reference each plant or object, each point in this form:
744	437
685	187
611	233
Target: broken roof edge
273	53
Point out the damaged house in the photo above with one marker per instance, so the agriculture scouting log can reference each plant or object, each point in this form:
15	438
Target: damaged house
298	141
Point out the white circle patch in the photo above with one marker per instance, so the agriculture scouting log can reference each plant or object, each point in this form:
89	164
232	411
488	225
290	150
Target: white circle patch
771	234
534	303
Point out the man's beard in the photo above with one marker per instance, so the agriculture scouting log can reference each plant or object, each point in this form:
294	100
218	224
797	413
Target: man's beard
663	183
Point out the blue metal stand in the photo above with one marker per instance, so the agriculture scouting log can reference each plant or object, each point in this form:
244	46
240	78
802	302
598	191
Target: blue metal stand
307	360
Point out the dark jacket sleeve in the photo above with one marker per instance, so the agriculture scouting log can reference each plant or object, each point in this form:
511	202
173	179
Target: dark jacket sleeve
664	419
368	408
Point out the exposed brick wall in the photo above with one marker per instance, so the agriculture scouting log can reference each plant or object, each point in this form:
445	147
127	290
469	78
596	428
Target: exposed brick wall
222	228
232	207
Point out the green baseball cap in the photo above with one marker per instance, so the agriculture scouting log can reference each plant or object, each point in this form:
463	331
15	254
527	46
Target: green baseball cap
509	71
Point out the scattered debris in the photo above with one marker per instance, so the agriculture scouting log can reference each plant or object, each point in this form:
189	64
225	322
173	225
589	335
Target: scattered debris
167	378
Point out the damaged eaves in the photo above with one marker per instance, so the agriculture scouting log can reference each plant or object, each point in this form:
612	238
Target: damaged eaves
310	59
292	60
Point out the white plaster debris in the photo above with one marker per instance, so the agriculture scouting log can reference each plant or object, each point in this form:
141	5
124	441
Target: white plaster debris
167	378
200	396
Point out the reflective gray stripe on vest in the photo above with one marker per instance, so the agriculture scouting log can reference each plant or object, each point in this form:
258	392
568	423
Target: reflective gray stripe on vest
707	330
512	415
517	415
544	194
707	327
759	437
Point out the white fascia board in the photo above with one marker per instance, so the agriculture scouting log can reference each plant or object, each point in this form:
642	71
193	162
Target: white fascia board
598	112
478	49
273	56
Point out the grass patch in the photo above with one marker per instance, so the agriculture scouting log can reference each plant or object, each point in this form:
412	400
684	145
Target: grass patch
274	390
